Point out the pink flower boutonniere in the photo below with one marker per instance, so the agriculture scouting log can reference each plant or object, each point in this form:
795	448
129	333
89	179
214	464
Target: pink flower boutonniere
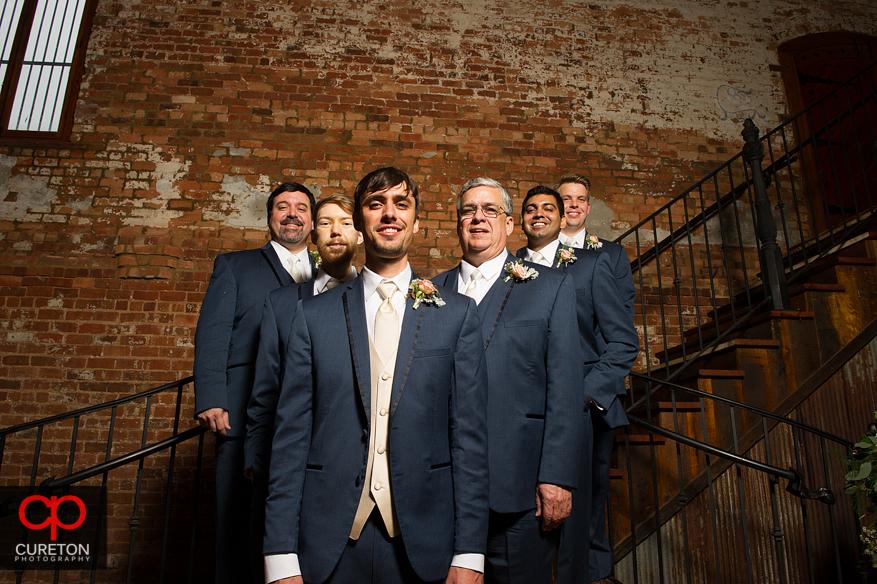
593	242
518	272
565	256
424	292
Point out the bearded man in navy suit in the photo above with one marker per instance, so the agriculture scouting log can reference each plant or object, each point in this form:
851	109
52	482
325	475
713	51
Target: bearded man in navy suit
226	342
336	240
610	345
378	466
535	388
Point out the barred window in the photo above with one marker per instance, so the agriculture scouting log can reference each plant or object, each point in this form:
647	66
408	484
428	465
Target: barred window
43	53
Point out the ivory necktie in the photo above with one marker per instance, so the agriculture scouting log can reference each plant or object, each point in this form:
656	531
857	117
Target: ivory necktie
332	283
295	269
473	290
537	258
570	242
386	323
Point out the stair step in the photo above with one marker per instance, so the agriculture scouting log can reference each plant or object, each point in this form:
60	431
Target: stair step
689	406
640	439
721	373
691	348
615	474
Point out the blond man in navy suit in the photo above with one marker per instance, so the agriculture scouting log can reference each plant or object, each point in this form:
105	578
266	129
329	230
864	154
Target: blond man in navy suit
609	345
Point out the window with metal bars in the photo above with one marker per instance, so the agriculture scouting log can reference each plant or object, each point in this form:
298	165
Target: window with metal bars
41	63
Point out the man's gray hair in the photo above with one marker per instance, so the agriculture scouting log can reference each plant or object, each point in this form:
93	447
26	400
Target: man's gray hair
483	181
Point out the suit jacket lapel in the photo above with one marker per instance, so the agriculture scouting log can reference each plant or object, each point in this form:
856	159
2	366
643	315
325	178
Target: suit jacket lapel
271	257
491	306
452	278
357	333
407	342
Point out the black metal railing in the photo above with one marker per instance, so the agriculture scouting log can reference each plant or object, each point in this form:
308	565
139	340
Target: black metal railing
156	482
733	243
698	500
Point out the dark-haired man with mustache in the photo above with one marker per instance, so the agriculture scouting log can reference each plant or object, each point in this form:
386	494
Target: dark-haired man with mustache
226	342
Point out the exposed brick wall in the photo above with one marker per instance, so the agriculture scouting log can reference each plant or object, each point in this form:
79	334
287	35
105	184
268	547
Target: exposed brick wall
190	111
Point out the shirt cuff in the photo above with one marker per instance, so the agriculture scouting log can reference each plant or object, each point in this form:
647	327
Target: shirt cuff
279	566
473	562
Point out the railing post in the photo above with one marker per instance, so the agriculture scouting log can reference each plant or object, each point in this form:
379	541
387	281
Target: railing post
769	255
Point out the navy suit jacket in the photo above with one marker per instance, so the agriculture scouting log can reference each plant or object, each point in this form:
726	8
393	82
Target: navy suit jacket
277	316
227	336
438	433
609	341
534	402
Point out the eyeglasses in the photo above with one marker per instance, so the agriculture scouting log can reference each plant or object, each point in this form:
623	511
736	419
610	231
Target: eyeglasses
489	211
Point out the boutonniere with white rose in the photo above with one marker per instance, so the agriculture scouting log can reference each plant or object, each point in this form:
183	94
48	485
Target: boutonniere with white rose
565	256
424	292
593	242
518	272
315	257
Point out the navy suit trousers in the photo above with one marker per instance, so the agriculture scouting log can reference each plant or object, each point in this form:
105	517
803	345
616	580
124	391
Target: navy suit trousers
232	512
518	551
575	534
375	558
601	550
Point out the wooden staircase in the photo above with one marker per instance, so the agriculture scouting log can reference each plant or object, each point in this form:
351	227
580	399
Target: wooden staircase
781	361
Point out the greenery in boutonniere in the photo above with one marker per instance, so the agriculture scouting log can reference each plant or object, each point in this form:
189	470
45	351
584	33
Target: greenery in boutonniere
862	486
518	272
565	256
425	292
315	257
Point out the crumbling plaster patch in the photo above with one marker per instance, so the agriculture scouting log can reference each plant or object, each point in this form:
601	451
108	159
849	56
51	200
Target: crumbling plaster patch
30	196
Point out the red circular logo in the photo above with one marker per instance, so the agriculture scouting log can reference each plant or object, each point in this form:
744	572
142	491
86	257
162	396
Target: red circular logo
52	521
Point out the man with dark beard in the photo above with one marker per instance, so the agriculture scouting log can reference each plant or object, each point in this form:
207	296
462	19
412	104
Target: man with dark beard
226	342
336	239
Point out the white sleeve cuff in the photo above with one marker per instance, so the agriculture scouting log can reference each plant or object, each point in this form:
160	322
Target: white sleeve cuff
469	561
279	566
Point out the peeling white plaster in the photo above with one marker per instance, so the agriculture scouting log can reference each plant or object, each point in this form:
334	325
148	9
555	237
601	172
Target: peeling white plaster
31	194
169	169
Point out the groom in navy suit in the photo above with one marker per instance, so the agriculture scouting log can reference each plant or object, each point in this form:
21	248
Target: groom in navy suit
610	345
535	396
226	341
379	460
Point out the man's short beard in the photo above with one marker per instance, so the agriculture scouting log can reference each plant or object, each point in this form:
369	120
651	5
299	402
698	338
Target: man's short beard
336	259
283	236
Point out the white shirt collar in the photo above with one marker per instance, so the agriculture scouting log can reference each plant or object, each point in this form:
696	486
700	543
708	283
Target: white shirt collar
322	278
578	238
371	280
284	254
488	269
548	252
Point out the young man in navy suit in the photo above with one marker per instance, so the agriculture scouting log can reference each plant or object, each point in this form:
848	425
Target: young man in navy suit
226	341
535	388
378	466
610	345
336	240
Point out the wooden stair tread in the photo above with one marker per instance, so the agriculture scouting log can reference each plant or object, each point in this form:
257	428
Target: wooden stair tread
615	474
681	406
741	342
640	439
722	373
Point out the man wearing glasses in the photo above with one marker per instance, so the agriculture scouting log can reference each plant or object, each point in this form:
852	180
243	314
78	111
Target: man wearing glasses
534	385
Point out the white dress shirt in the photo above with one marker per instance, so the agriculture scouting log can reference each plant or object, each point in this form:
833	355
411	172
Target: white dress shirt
280	566
578	238
490	271
323	278
284	255
548	253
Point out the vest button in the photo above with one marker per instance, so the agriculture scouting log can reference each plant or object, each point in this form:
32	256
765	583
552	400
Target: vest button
377	486
385	376
380	449
383	411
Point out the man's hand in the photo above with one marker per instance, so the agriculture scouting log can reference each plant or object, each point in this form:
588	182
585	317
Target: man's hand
215	419
293	580
464	576
553	504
